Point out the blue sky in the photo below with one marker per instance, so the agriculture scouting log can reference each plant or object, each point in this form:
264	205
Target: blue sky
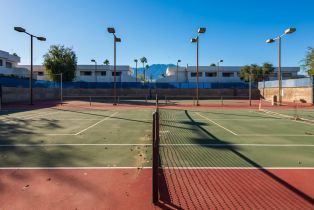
160	30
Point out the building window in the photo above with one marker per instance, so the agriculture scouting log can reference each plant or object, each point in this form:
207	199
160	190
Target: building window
193	74
103	73
211	74
227	74
8	64
85	73
1	62
40	73
118	74
287	75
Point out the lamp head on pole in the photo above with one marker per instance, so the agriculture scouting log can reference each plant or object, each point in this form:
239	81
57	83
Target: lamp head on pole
179	61
93	60
135	60
269	41
194	40
19	29
111	30
221	61
201	30
41	39
117	39
290	30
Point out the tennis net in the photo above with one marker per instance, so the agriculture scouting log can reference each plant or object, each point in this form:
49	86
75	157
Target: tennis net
106	99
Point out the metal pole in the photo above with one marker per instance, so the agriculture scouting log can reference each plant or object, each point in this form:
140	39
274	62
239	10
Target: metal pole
197	102
31	76
177	70
218	75
96	71
136	71
279	70
61	89
250	89
114	74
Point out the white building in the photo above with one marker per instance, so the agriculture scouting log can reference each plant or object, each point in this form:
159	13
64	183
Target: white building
9	65
92	73
211	74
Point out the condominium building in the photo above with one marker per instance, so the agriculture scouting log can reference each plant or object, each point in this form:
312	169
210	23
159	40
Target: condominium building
9	64
91	73
214	74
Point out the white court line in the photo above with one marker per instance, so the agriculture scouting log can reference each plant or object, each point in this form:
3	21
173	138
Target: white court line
74	168
175	145
240	168
89	127
164	168
253	145
40	115
58	145
217	124
27	117
277	135
275	115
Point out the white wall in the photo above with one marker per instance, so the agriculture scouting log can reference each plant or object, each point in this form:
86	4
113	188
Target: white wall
95	76
184	74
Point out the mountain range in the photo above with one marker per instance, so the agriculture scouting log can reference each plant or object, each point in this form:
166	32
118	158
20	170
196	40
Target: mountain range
155	70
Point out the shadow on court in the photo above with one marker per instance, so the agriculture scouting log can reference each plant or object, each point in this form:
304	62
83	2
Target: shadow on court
207	185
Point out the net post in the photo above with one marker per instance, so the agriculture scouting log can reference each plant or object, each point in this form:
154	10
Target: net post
61	88
221	101
155	158
0	97
90	101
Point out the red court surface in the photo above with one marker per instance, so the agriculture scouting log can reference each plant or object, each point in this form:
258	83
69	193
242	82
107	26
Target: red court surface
180	189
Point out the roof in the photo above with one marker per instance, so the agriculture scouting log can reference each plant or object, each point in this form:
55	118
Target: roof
9	57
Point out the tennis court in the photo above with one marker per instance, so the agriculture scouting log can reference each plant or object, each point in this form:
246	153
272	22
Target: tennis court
208	158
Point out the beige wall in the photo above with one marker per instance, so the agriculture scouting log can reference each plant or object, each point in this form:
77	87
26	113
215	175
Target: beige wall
289	94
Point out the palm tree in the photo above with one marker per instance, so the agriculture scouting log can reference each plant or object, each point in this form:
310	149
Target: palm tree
106	62
143	61
146	68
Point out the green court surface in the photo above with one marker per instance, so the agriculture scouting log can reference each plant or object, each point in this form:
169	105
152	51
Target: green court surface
122	138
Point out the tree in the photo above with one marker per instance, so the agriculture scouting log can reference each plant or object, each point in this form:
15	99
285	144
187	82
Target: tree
141	77
212	64
60	60
106	62
309	61
250	71
146	68
143	61
267	69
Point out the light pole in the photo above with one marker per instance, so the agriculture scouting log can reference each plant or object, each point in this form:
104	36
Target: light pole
178	69
250	87
135	60
220	61
111	30
196	40
287	31
22	30
94	61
